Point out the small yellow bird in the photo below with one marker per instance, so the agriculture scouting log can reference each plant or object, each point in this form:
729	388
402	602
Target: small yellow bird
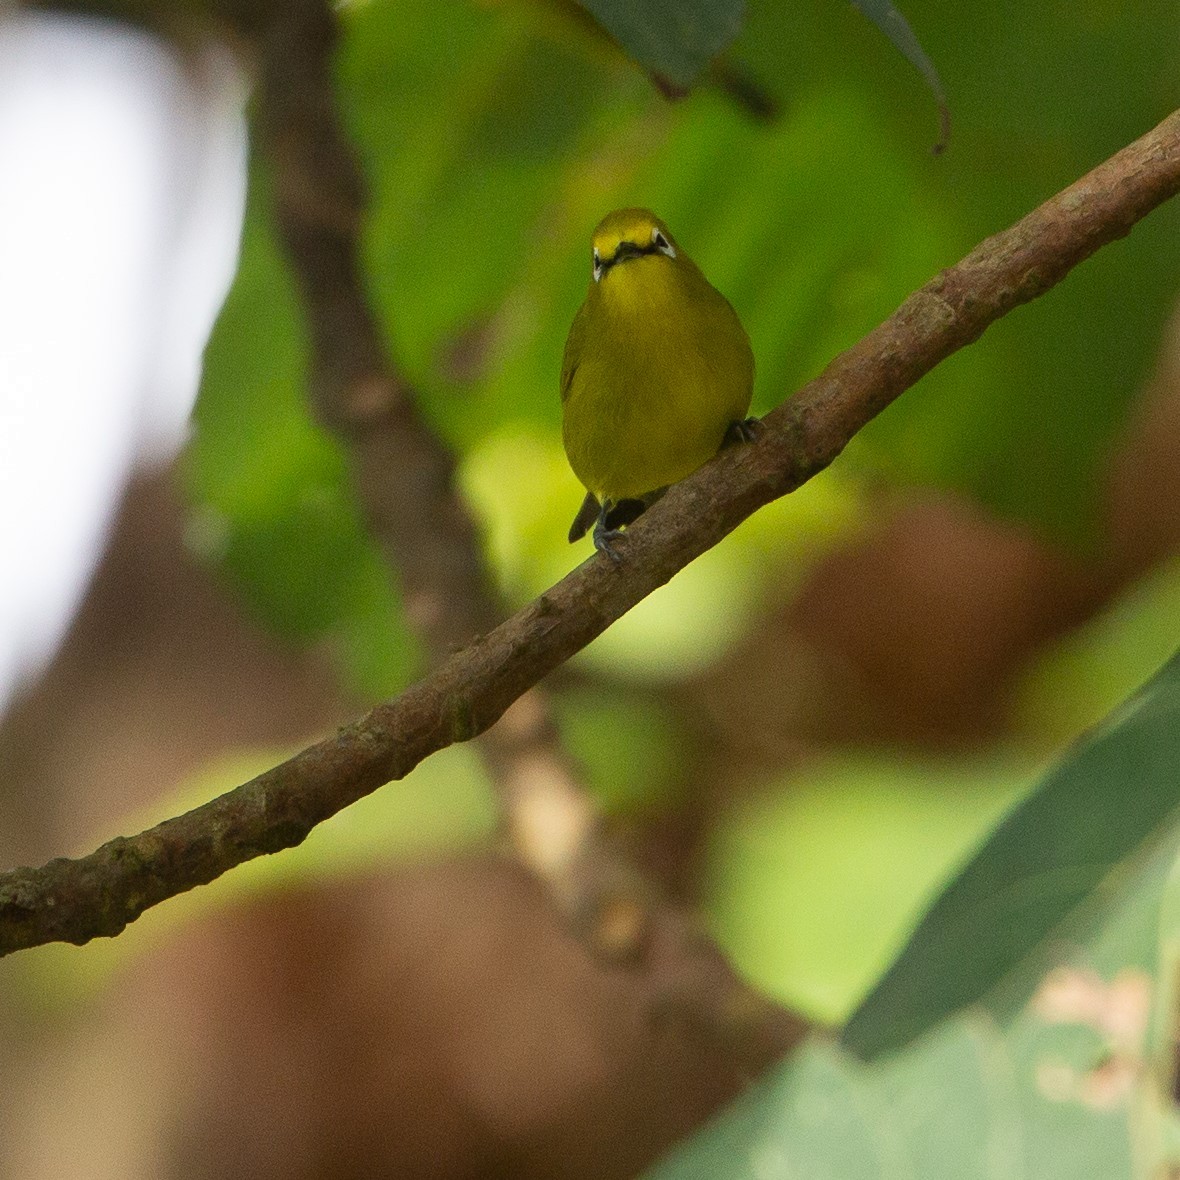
657	374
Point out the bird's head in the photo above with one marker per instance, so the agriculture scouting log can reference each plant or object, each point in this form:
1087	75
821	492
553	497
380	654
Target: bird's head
627	234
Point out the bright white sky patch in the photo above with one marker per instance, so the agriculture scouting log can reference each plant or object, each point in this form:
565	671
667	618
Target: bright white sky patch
122	183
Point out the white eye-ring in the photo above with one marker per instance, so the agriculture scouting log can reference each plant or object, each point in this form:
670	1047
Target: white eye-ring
597	265
662	244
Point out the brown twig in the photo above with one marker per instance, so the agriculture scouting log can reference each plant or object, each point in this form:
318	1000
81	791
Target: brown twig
75	900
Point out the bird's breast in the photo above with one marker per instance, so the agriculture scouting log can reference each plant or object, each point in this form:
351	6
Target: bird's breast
664	368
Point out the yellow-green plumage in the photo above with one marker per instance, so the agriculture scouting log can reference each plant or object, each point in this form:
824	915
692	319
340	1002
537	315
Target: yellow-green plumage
657	365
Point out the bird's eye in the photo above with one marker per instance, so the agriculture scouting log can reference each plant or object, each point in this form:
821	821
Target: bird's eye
662	244
597	265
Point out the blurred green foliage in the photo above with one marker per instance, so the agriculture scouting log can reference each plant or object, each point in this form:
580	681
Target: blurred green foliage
1112	796
493	150
891	22
1085	675
493	138
275	507
861	845
1049	1071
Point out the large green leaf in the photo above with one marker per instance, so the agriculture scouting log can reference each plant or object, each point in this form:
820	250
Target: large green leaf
1116	791
1161	1093
1049	1083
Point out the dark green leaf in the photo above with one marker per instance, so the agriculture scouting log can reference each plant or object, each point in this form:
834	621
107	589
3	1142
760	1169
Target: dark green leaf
1041	1089
672	39
897	29
1094	810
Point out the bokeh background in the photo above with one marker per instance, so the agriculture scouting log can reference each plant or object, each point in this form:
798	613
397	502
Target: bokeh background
803	735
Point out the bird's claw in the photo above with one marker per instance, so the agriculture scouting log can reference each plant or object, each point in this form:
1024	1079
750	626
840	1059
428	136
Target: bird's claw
613	519
744	430
602	542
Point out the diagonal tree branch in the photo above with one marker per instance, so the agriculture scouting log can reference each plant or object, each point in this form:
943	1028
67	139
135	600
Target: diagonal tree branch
76	900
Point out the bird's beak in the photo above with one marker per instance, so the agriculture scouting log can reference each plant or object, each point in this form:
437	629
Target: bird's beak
627	250
623	251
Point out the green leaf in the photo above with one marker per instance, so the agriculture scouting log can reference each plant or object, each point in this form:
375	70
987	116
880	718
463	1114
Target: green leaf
1097	808
963	1105
1161	1098
897	29
672	39
823	1115
1052	1086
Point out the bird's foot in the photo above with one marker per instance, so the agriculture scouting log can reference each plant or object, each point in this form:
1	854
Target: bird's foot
745	430
602	542
612	520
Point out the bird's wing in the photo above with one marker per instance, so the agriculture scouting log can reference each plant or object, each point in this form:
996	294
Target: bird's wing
574	343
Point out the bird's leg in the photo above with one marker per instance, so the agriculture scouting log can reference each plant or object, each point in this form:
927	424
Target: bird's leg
741	431
605	532
616	515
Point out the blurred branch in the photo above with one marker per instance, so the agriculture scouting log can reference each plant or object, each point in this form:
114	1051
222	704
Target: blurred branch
404	475
405	479
75	900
